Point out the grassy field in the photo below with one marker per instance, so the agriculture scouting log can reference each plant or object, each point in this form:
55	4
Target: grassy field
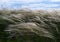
29	26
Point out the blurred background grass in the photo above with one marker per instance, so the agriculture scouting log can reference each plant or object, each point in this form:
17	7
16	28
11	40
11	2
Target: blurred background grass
29	26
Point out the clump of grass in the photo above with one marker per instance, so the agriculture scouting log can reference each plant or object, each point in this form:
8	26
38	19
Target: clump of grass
29	26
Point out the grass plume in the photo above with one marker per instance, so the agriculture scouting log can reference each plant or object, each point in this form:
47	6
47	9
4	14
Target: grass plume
29	26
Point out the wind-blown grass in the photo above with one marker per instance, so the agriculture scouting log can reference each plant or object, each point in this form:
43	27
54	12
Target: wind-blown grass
29	26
